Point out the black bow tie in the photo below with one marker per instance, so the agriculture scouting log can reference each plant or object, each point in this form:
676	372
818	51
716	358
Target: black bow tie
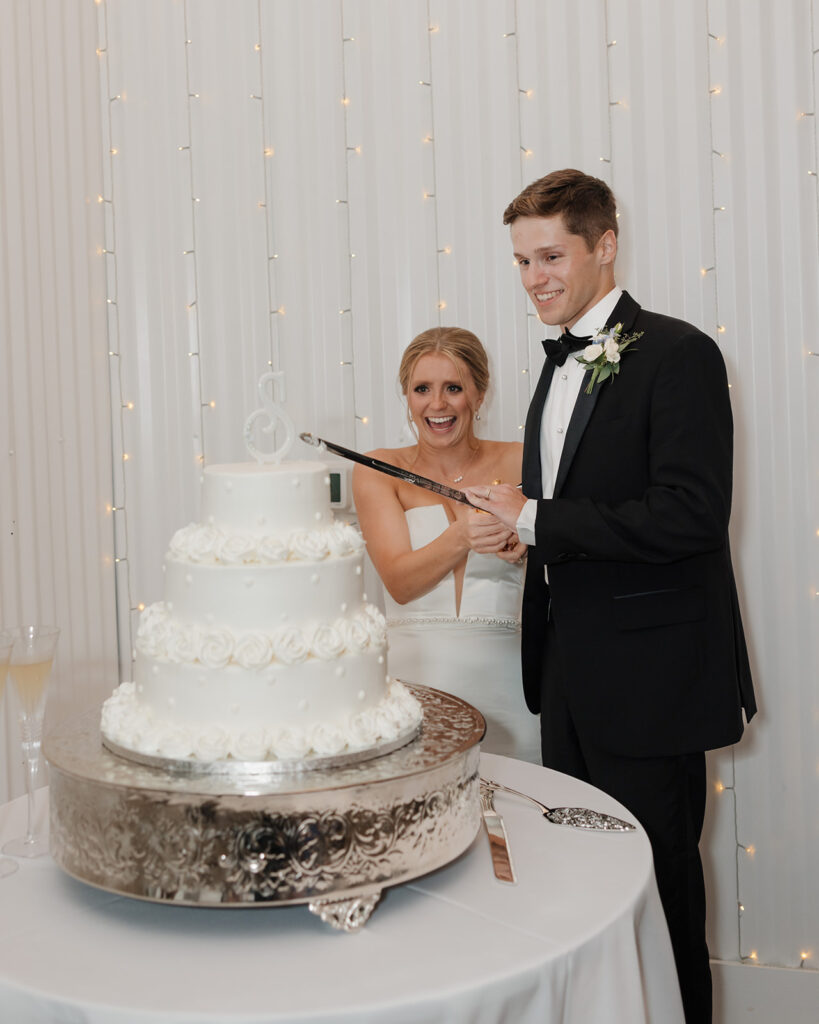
557	349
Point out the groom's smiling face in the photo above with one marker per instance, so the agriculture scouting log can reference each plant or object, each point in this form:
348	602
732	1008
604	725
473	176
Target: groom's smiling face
561	275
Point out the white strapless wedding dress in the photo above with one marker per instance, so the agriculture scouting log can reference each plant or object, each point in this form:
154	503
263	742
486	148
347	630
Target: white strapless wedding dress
474	654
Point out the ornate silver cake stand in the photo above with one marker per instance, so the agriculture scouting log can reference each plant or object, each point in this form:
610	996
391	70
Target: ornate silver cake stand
333	838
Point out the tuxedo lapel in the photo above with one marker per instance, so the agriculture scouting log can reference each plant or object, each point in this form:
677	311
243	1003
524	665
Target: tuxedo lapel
532	477
625	313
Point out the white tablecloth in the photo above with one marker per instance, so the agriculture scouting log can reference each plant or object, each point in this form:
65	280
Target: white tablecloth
580	939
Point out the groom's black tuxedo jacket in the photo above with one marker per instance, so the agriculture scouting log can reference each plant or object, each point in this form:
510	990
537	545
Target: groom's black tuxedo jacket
641	590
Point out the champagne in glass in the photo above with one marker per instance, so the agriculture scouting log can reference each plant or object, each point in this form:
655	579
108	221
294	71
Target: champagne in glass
31	658
7	865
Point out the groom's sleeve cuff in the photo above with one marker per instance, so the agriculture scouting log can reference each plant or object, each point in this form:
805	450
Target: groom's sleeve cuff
525	525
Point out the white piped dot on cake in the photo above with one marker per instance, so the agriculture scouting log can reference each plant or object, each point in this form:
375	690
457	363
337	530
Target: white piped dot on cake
344	606
155	669
314	578
341	670
358	570
318	517
362	694
188	578
327	480
296	481
302	704
380	659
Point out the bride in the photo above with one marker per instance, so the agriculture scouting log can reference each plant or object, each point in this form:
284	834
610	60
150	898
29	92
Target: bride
453	576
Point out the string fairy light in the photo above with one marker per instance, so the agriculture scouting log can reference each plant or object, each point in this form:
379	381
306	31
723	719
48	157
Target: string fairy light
431	193
120	561
268	151
523	94
192	307
347	351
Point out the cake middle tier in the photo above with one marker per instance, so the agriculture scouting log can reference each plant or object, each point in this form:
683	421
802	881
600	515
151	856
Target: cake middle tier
266	597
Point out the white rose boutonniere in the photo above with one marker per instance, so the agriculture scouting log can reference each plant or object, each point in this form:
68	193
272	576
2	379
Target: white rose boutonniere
604	353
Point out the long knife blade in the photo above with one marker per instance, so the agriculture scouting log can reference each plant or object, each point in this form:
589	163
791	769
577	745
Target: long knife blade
498	842
387	467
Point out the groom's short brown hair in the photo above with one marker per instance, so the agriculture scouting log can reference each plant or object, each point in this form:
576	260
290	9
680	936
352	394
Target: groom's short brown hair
586	204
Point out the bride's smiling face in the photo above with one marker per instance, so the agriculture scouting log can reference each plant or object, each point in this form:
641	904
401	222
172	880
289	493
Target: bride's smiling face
442	399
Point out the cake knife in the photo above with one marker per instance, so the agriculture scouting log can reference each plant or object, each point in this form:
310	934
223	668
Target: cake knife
498	843
387	467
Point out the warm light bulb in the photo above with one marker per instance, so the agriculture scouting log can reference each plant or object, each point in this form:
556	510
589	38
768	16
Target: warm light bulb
719	787
345	101
125	456
441	304
140	607
750	850
268	151
212	404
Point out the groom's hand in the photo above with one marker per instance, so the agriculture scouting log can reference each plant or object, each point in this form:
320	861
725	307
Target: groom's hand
503	500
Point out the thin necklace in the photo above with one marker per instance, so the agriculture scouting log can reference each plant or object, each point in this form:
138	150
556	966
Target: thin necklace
457	479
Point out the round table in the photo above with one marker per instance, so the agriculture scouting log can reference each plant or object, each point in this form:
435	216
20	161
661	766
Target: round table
580	938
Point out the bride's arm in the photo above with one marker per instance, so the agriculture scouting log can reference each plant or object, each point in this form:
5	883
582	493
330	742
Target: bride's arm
406	574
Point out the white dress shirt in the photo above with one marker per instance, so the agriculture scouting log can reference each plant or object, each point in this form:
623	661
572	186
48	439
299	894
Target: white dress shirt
560	401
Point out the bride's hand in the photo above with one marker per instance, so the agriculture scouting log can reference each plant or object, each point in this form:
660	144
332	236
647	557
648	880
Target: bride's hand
515	552
484	533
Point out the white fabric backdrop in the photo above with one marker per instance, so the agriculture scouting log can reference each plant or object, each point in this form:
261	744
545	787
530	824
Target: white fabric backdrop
308	184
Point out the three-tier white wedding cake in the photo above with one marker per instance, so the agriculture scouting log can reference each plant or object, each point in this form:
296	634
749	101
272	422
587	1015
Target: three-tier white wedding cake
264	647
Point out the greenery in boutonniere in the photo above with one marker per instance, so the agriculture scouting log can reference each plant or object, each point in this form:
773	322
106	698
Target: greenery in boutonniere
603	354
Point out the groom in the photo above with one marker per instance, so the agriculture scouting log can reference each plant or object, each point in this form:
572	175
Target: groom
633	648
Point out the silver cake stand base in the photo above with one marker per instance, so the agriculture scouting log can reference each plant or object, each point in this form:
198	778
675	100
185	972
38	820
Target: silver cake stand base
333	838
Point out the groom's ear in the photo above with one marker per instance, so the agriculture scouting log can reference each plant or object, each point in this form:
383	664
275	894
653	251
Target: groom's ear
607	247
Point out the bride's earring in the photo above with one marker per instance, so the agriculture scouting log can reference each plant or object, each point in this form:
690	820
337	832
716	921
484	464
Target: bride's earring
477	415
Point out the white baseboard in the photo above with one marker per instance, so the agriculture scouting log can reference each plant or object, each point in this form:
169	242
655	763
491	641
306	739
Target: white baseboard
764	995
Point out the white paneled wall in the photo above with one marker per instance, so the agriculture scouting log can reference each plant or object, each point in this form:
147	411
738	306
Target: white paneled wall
307	184
56	546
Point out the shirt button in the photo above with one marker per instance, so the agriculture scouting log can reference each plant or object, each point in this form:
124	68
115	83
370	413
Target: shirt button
565	376
560	430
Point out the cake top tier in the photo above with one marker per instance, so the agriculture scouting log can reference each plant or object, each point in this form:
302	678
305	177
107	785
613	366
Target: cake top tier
265	498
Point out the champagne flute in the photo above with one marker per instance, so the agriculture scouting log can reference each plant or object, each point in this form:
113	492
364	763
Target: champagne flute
31	658
7	865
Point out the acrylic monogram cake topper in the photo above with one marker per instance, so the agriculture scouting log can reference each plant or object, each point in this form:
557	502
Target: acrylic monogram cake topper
274	412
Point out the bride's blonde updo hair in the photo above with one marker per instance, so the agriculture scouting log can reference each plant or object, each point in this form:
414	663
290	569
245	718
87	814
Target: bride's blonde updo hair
463	347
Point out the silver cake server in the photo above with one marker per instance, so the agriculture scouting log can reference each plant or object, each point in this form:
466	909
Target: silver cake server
498	843
575	817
